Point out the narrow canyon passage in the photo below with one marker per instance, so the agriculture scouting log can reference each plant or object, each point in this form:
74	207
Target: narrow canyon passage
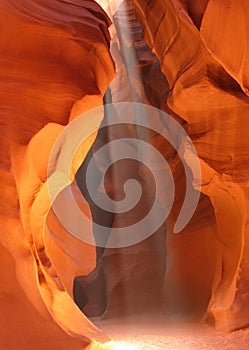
125	174
140	278
184	287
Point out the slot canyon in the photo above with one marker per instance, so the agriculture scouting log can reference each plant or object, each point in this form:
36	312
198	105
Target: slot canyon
125	174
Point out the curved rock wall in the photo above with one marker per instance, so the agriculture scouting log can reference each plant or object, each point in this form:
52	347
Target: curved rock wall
55	64
205	92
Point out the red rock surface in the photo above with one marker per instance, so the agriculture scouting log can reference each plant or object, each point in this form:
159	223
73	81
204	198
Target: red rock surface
206	96
56	64
228	42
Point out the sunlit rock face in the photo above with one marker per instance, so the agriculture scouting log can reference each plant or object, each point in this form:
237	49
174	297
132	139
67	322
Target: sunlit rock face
207	77
218	26
55	64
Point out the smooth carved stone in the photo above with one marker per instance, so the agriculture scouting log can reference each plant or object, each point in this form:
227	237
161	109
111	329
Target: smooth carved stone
215	110
195	9
55	64
130	279
225	33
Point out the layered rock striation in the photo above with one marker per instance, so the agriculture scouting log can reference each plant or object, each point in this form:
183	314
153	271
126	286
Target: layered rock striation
55	64
207	77
187	58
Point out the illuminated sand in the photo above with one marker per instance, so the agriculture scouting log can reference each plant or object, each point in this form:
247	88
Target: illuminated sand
138	334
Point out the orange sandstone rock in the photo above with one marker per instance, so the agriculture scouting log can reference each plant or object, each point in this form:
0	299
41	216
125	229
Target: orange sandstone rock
55	64
197	66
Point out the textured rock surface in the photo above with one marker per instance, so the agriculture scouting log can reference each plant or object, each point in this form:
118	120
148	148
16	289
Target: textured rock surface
55	64
228	42
216	111
128	272
130	278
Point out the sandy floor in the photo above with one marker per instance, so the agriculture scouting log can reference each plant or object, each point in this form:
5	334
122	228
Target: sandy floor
135	334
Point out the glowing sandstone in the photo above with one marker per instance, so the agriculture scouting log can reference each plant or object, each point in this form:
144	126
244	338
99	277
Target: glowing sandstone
225	33
216	111
45	49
